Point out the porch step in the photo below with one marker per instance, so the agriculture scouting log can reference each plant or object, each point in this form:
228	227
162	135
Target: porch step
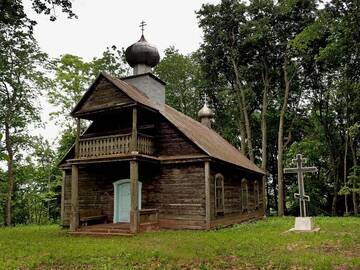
107	229
91	233
104	230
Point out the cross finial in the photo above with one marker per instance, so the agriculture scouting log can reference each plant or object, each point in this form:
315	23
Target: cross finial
205	99
142	25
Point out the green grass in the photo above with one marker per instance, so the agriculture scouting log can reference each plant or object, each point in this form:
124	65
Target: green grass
259	245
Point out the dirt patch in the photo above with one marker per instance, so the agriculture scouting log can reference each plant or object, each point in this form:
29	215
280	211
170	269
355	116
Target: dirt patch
352	253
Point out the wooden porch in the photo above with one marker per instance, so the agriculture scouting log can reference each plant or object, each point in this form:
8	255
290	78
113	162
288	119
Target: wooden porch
120	229
149	221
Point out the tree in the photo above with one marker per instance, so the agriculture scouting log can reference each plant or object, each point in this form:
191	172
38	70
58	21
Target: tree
73	76
183	77
12	11
21	66
223	58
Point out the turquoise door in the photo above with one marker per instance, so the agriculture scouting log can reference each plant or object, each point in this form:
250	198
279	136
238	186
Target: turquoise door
122	200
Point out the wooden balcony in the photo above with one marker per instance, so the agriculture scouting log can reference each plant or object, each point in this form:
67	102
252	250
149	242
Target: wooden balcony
95	147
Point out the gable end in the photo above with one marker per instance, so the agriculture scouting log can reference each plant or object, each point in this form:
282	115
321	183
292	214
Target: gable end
101	95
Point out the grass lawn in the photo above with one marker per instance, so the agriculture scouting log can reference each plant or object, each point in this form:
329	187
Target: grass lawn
258	245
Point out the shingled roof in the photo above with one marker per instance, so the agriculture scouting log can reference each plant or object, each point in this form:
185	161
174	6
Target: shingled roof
206	139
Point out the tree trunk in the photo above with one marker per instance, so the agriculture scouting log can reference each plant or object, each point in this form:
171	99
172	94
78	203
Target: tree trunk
273	171
241	97
242	132
335	173
354	197
49	189
266	82
10	176
333	205
281	141
345	171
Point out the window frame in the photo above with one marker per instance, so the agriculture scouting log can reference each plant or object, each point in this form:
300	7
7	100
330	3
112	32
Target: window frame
219	207
244	195
256	195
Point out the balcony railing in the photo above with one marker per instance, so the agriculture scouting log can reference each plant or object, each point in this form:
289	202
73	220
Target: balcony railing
114	145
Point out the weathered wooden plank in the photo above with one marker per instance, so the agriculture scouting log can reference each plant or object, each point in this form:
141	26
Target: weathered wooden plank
236	218
62	206
74	224
170	141
134	212
207	194
134	133
105	95
178	191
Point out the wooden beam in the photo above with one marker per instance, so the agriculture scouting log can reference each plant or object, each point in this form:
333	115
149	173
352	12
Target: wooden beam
77	139
134	209
62	207
74	223
134	133
207	195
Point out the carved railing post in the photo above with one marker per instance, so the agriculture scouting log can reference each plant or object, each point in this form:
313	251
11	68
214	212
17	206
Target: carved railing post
134	133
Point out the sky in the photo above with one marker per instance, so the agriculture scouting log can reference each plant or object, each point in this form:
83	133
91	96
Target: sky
104	23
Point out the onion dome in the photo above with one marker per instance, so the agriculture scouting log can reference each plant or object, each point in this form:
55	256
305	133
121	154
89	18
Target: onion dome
205	112
142	53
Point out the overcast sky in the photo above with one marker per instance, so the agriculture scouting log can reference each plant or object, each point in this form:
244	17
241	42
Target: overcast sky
116	22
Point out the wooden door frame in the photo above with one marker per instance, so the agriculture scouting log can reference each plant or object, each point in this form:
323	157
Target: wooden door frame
116	184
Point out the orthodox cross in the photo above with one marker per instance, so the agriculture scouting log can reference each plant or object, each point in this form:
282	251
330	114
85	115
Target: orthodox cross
300	170
142	25
205	98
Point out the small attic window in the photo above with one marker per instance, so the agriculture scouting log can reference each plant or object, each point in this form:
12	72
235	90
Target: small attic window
219	194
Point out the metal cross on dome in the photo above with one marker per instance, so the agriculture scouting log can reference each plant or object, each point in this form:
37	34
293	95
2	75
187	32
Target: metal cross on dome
142	25
205	99
300	170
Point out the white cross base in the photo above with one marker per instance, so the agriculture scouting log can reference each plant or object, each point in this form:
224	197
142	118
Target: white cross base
304	224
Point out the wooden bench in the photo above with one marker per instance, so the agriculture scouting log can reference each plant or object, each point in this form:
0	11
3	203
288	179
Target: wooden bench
92	215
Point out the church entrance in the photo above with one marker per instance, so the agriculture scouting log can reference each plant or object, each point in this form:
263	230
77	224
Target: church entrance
122	200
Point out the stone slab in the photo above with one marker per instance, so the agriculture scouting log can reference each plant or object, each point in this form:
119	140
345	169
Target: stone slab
304	224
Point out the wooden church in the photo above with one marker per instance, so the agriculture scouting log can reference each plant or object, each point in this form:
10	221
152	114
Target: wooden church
142	165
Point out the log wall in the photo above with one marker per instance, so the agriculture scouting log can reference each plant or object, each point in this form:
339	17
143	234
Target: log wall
232	195
178	191
171	142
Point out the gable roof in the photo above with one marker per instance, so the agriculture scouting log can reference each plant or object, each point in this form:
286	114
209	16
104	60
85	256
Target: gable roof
208	140
205	138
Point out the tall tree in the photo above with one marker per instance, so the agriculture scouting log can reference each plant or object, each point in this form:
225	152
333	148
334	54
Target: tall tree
12	11
73	76
292	18
184	82
21	69
224	53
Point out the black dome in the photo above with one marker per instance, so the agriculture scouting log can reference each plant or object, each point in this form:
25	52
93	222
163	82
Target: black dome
142	52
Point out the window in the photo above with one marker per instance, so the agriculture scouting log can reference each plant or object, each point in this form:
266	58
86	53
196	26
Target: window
256	195
244	195
219	194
